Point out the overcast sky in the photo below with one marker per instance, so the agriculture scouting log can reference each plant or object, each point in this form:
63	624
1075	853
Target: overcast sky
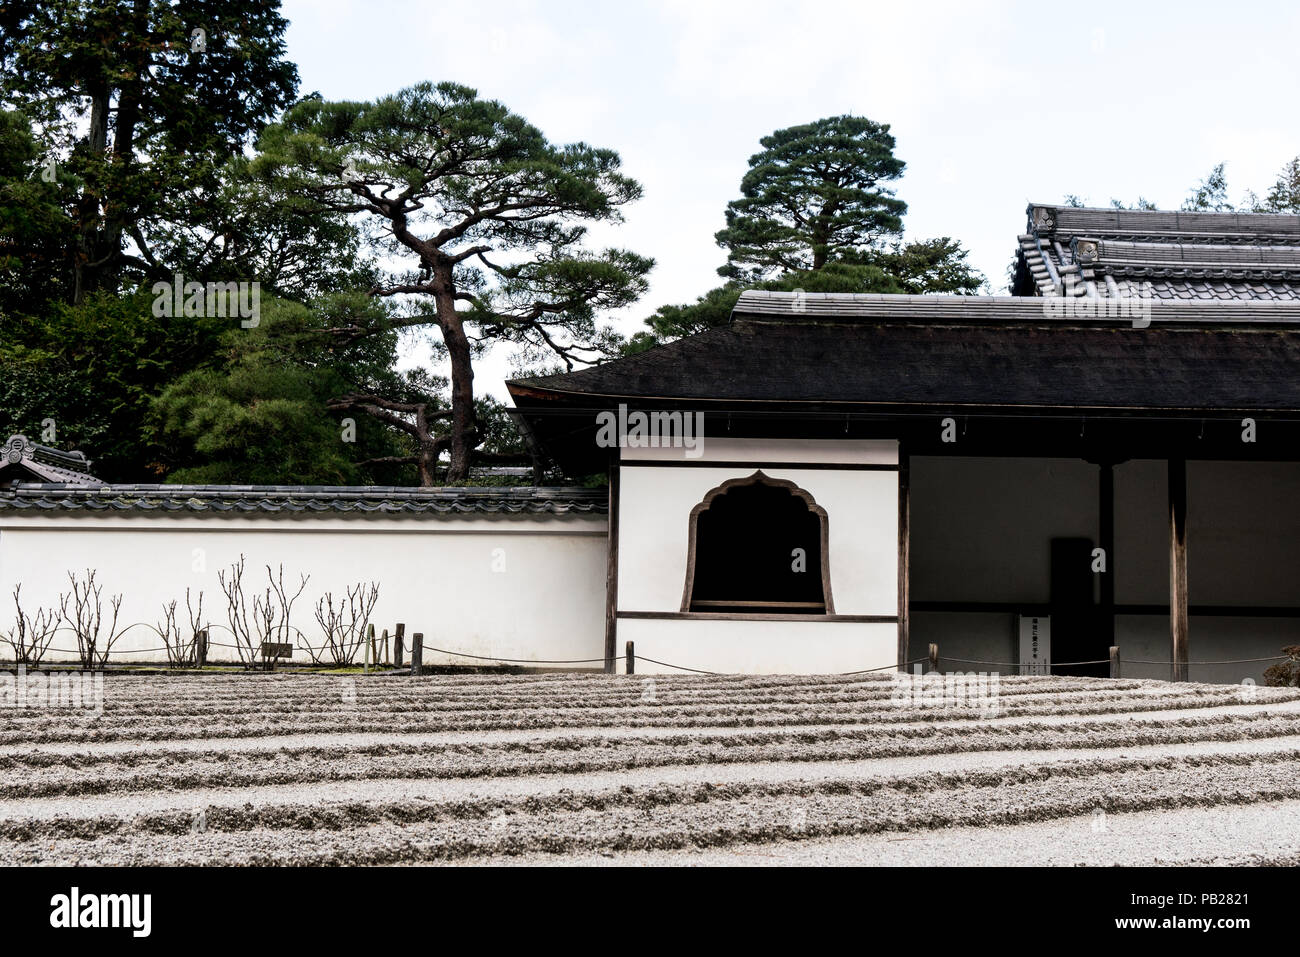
993	105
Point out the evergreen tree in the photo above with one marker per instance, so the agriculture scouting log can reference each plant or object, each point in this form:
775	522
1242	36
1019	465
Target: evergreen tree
488	215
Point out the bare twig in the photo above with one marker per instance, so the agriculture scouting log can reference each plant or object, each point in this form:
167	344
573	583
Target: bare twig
344	627
31	634
86	620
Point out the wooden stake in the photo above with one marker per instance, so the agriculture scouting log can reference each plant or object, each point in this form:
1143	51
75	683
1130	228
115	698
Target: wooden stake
630	657
934	658
611	572
1106	539
201	653
1178	567
1114	661
399	642
417	654
904	556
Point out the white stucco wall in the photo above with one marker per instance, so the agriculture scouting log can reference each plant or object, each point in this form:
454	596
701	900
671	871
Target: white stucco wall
655	502
759	647
529	587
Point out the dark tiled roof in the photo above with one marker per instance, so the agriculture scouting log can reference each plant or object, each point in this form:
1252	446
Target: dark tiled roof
847	351
1169	255
23	458
304	499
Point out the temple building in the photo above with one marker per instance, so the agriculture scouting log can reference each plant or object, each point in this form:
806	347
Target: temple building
1109	457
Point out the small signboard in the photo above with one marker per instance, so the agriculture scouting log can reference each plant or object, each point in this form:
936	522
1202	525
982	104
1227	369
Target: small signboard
1035	645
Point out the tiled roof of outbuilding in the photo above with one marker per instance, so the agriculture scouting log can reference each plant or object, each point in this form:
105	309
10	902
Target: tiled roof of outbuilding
1187	256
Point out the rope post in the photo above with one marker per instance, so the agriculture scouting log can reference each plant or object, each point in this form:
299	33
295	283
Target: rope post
201	652
1114	661
934	657
399	642
630	653
417	654
371	658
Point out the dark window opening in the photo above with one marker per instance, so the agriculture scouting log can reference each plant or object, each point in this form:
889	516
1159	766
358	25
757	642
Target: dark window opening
758	546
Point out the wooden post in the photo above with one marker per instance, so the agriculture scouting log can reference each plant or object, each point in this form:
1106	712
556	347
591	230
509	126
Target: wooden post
383	645
399	640
1106	539
1114	661
417	654
1178	567
934	658
904	555
201	652
630	657
611	571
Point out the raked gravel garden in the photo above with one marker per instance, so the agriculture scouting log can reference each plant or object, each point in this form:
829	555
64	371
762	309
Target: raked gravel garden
593	769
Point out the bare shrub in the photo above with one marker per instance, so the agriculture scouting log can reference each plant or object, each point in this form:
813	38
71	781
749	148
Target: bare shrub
344	627
182	646
1285	674
267	619
87	618
31	634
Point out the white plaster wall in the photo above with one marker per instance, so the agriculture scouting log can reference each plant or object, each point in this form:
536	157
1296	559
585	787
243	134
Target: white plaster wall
981	531
435	574
981	528
1243	532
760	647
978	636
790	451
655	504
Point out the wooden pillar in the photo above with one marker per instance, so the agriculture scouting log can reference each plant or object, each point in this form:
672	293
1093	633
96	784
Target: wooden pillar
1178	567
904	555
1114	661
399	642
417	654
629	656
611	572
1106	539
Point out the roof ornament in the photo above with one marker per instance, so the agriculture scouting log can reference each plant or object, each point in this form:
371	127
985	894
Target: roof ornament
46	464
1086	250
1042	218
18	448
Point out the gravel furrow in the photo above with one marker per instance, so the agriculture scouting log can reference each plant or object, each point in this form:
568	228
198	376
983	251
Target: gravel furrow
313	769
667	817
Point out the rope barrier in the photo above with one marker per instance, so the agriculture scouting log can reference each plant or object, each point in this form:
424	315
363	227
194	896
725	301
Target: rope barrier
1017	664
867	671
678	667
1230	661
533	661
602	660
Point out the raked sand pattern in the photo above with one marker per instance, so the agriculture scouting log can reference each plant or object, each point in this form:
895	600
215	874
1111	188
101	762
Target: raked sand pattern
589	769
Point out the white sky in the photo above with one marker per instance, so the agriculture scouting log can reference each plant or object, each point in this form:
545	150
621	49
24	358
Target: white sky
993	104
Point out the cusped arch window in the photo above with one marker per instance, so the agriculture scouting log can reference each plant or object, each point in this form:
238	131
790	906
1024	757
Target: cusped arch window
758	545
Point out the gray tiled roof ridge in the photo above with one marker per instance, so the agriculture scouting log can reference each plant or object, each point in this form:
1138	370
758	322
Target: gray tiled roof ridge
801	307
1072	218
304	498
